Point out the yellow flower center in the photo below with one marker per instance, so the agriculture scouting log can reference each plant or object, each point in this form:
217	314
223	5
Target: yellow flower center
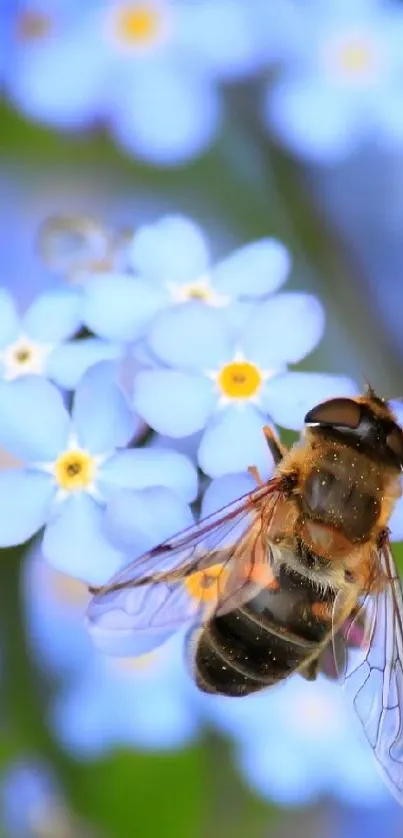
33	25
353	57
239	380
207	585
138	24
75	470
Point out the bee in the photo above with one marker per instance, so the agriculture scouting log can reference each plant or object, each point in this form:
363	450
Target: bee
295	573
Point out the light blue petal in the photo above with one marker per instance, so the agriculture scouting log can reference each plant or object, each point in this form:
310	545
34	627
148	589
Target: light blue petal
224	490
101	414
254	270
69	362
173	403
173	249
233	441
25	502
34	423
142	468
61	82
132	519
119	307
274	775
287	398
191	336
396	522
10	324
389	116
218	495
165	115
74	541
283	330
313	119
54	316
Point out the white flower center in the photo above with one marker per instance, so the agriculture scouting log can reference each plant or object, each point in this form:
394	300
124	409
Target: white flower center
240	380
200	289
24	357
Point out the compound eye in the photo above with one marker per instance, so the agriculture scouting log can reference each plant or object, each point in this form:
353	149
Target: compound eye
344	413
394	441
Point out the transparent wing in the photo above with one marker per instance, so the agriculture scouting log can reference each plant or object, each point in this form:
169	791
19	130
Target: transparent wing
372	669
213	565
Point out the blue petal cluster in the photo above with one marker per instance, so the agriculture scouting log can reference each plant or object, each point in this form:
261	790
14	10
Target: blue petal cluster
151	70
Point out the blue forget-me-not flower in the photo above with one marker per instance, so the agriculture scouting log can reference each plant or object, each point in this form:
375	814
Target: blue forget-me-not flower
37	342
340	81
169	264
149	67
72	466
228	384
103	702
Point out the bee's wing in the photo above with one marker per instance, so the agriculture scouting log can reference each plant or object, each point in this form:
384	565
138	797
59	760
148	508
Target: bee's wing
371	667
69	242
212	566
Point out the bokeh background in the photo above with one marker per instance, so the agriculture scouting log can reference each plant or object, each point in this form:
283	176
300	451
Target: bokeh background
254	118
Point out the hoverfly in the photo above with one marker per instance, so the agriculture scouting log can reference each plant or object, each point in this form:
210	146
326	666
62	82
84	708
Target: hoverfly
79	246
299	567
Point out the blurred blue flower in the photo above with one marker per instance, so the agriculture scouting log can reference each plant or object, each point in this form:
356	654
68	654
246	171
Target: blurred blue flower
73	466
340	79
297	743
150	68
170	264
30	800
103	702
230	384
36	343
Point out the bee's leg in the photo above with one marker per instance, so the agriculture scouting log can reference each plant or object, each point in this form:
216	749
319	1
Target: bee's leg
276	449
310	670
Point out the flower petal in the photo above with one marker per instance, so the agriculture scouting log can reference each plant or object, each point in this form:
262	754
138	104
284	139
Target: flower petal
164	115
74	541
254	270
25	501
173	249
173	403
226	489
287	398
119	307
34	423
313	119
132	522
10	324
54	316
142	468
101	414
191	336
283	330
69	362
396	522
233	441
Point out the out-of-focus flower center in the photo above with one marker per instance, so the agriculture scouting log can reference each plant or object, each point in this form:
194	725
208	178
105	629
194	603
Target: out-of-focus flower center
139	664
24	357
75	470
67	589
199	289
207	585
353	58
240	380
139	25
32	25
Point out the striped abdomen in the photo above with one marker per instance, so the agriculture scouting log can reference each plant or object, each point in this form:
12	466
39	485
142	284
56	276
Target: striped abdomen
266	639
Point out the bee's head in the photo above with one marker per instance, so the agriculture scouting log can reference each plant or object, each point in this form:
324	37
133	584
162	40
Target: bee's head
366	424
